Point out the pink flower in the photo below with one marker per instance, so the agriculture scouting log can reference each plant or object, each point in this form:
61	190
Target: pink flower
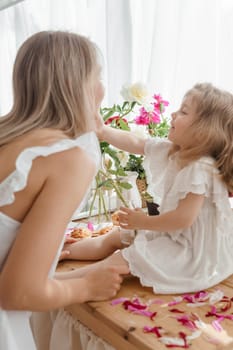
160	104
143	118
111	119
155	117
146	118
118	120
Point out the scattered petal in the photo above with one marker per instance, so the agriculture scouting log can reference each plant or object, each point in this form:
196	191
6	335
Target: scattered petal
217	326
213	335
172	342
186	321
177	310
216	296
90	226
118	301
156	330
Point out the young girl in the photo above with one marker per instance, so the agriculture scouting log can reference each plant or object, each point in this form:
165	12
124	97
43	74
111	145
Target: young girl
46	142
188	247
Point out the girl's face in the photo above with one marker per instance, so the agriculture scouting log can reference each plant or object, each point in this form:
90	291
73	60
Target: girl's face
181	122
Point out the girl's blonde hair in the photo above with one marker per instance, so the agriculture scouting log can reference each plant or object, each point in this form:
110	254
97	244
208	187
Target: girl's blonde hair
52	85
212	130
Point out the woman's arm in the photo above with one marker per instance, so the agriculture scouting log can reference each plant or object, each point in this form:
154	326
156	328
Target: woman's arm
24	282
180	218
124	140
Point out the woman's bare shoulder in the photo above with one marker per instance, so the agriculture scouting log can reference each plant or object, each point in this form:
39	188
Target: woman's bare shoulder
61	169
10	152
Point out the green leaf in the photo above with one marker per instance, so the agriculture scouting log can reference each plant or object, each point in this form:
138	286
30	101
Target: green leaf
125	185
123	125
108	114
125	105
118	108
120	172
133	104
112	172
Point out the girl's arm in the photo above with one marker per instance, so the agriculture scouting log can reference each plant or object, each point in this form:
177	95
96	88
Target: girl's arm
124	140
180	218
24	281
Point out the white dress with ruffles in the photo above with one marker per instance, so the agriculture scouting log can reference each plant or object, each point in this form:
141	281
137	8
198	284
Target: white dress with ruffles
191	259
15	332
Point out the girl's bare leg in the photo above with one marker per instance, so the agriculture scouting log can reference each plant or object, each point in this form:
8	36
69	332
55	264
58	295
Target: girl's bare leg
95	248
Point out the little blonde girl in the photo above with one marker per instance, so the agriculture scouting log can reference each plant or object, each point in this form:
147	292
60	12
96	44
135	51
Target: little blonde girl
188	246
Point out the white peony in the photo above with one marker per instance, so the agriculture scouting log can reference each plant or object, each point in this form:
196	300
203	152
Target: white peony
135	92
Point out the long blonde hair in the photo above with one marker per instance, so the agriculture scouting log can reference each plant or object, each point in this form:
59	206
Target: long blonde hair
212	130
52	85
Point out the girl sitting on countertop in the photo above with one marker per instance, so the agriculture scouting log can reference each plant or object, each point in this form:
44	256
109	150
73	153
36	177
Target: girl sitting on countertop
188	247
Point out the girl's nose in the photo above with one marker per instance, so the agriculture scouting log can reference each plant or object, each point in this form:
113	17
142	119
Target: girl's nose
173	115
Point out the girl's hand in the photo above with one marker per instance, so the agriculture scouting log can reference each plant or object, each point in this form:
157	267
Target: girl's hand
132	219
105	281
65	252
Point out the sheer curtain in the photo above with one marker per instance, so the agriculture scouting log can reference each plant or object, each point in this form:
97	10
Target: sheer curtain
167	44
7	3
177	43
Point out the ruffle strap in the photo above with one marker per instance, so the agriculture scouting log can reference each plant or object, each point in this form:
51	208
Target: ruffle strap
17	180
201	177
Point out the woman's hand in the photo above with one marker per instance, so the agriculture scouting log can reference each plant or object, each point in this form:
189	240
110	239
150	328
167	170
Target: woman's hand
132	219
105	281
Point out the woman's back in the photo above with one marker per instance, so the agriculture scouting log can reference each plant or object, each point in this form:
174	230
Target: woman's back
29	161
9	155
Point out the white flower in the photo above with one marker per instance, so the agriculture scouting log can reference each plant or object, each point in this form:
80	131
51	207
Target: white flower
135	92
123	158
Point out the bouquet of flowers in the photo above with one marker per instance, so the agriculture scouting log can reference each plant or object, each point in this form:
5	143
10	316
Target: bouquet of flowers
140	113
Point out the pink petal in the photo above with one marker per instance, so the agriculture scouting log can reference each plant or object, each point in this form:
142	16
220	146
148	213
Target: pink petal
90	226
146	313
118	301
217	326
186	321
155	330
177	310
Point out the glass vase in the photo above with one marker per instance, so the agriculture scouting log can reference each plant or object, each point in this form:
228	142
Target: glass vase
132	196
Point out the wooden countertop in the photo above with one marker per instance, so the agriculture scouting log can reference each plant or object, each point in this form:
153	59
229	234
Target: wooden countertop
124	330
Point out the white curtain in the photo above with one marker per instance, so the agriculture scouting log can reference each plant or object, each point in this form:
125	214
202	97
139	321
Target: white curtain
167	44
177	43
7	3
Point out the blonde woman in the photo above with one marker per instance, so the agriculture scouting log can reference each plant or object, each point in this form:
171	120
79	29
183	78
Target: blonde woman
188	247
49	155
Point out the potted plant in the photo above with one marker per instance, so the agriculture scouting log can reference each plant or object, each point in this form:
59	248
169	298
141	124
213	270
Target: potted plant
153	208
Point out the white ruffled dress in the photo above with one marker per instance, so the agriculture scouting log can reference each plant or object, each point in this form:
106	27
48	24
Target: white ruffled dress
15	332
191	259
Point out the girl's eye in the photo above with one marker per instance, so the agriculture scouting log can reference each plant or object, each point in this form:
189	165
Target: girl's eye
183	111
